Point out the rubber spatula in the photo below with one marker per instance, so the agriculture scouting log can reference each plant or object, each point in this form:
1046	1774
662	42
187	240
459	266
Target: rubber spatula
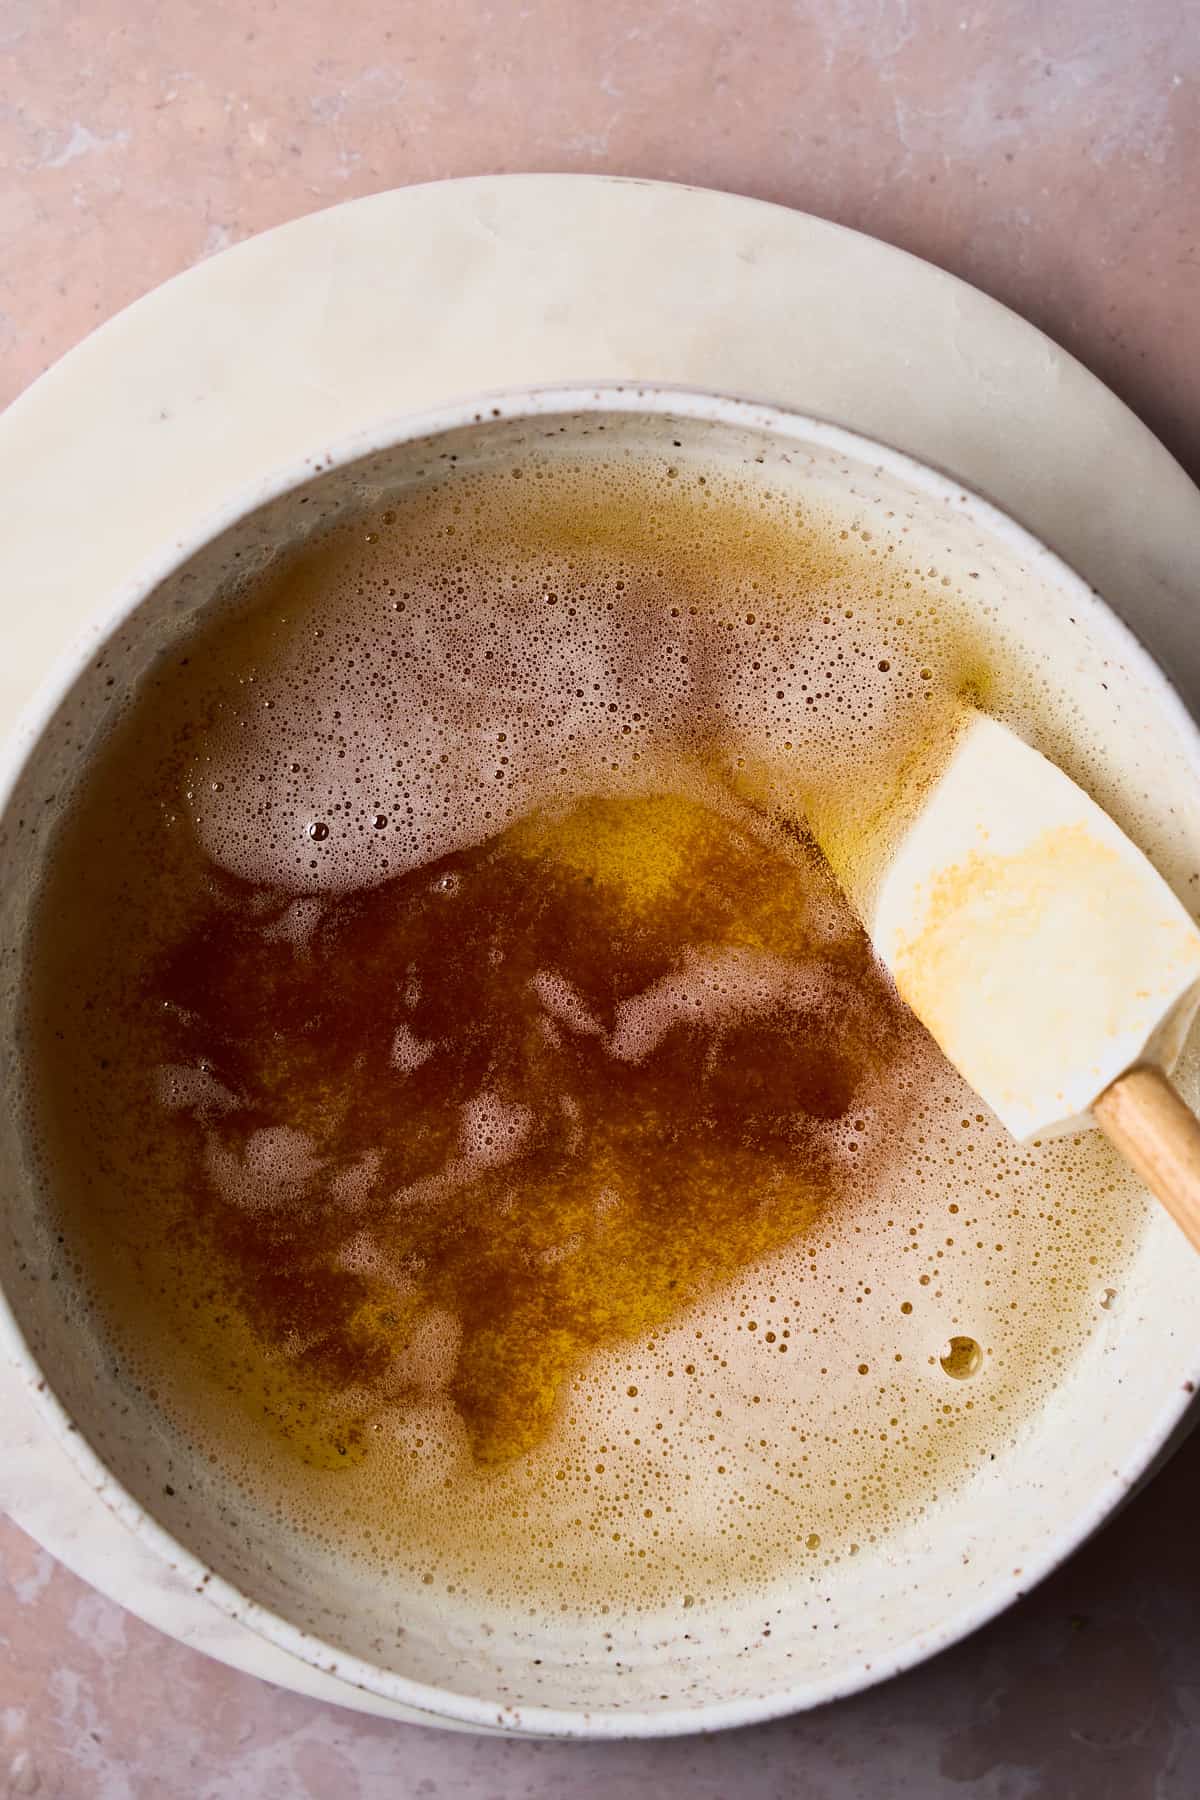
1043	951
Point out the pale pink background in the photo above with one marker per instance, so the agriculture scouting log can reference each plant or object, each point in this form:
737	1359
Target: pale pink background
1049	153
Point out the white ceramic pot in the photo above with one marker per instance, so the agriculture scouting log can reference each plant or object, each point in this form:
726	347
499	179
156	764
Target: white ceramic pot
917	1590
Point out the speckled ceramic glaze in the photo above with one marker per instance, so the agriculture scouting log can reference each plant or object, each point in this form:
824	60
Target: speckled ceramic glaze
915	1592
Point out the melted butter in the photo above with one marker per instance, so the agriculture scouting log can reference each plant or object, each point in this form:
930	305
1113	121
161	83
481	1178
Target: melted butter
510	1194
554	1190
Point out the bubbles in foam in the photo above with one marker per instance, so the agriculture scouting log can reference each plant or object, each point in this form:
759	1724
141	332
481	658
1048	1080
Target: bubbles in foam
354	1184
409	1051
191	1088
296	923
714	985
526	661
565	1005
274	1167
427	1360
383	739
961	1357
493	1128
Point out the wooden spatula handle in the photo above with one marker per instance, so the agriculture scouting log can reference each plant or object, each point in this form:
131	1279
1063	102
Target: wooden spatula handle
1143	1117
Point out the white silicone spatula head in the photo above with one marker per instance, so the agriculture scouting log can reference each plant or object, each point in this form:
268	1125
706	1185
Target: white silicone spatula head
1036	943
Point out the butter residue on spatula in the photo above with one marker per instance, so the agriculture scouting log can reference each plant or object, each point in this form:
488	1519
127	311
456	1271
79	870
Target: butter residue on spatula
1038	945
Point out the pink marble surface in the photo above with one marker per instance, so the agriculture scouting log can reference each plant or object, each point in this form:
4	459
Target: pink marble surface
1050	156
1088	1690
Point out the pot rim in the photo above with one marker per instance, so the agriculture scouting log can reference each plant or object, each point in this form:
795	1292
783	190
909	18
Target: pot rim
436	1705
